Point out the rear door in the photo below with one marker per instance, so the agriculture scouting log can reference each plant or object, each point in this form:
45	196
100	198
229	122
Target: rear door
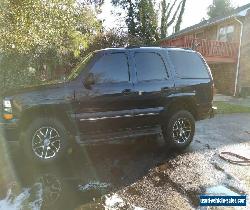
153	85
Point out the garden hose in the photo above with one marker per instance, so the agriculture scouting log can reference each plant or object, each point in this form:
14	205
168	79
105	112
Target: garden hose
235	158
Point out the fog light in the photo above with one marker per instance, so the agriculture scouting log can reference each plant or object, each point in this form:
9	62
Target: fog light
8	116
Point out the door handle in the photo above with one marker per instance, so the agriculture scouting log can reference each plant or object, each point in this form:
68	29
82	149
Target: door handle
140	92
165	88
126	91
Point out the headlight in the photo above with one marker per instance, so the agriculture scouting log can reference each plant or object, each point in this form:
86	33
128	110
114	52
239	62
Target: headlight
6	103
7	109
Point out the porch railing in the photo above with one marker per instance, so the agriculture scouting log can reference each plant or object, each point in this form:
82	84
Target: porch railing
208	48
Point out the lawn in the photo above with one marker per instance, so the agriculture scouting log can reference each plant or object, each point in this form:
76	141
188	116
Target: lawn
227	108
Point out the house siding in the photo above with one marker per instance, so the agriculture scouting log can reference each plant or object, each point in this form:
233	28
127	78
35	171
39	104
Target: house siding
222	57
224	77
236	34
223	73
244	71
211	32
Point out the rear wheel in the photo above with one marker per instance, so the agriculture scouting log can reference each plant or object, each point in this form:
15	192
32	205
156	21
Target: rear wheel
45	140
178	130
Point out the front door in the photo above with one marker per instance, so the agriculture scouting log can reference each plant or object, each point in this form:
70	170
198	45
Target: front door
105	106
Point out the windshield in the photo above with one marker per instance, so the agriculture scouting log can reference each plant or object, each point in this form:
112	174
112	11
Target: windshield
80	67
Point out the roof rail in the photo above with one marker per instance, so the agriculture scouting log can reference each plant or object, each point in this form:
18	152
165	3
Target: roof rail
187	48
132	46
184	48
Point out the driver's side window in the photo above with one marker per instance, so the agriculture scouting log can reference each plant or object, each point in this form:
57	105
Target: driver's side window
111	68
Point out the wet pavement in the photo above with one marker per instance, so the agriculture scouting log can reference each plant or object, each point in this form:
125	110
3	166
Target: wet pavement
136	174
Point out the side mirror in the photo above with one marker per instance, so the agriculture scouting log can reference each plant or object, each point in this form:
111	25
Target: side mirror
89	80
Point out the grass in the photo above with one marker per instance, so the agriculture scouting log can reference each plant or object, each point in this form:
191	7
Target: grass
227	108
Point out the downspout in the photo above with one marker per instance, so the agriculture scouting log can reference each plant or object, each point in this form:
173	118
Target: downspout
239	54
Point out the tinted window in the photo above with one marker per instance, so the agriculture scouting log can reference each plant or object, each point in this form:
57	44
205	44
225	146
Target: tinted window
111	68
150	66
82	66
188	64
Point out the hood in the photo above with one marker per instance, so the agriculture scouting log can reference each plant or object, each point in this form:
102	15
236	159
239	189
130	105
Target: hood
25	89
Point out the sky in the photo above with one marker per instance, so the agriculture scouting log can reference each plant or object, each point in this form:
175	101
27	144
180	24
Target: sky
195	11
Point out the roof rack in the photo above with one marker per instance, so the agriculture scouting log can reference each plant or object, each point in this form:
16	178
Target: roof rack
132	46
184	48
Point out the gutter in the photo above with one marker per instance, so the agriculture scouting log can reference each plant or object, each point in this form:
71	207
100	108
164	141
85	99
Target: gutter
239	54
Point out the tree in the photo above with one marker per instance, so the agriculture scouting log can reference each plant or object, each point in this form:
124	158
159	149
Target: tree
43	35
130	21
142	19
179	20
147	22
219	8
167	12
111	38
164	8
37	25
130	7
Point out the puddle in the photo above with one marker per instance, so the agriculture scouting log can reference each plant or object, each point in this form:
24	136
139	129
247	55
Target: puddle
51	187
94	185
172	181
222	190
115	202
28	198
14	203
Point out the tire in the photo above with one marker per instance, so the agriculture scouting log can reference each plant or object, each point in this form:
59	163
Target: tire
45	140
178	130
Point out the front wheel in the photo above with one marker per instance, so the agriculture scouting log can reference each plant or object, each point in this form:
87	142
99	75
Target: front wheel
178	130
45	140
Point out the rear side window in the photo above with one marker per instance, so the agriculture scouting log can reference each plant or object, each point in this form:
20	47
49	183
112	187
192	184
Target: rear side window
111	68
150	66
188	64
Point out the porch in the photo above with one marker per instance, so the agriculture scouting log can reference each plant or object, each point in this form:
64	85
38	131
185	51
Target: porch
213	51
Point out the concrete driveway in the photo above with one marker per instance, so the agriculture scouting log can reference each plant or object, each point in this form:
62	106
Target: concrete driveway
142	174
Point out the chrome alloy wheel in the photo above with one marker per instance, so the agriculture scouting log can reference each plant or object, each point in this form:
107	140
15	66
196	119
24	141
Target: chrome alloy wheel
46	142
182	130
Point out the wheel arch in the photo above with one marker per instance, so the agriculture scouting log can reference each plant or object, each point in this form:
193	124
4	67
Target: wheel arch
185	103
46	111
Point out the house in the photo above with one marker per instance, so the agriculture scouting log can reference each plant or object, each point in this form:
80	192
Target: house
225	44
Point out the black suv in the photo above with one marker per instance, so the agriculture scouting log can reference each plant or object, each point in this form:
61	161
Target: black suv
114	93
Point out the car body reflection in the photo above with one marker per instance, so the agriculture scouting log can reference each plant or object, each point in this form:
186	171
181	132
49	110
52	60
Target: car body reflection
87	176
